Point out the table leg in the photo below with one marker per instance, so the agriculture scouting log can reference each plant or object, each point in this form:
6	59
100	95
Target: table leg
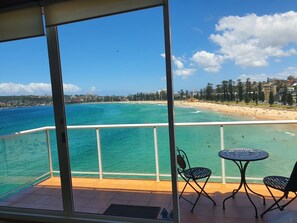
260	195
242	169
240	185
246	187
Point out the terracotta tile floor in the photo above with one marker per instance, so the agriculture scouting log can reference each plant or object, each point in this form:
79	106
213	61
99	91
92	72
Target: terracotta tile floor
95	196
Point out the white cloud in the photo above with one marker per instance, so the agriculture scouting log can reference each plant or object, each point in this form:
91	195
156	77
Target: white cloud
179	67
263	77
251	40
185	72
209	61
254	77
71	88
33	89
181	70
92	90
289	71
198	30
178	62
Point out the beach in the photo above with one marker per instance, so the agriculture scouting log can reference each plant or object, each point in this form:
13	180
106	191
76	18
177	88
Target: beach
254	112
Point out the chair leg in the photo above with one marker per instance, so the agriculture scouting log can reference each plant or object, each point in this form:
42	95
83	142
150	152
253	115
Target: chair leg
271	207
187	183
205	194
199	194
283	206
202	192
276	201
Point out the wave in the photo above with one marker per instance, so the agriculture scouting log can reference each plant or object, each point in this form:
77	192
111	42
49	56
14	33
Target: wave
196	112
290	133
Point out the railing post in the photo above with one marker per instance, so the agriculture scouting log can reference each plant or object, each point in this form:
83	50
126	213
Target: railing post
99	154
50	161
156	155
222	160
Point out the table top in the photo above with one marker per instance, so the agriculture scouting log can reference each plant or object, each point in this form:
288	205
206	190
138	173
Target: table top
243	154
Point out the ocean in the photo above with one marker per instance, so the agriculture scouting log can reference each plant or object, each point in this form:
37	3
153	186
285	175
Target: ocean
131	150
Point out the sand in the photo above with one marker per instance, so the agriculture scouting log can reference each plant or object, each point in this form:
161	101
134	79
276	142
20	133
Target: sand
253	112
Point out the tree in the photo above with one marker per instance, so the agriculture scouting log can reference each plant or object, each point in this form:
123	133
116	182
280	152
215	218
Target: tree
163	95
240	90
256	98
218	92
230	90
201	95
290	99
209	92
271	98
260	95
187	94
248	90
284	96
225	90
246	98
181	94
196	95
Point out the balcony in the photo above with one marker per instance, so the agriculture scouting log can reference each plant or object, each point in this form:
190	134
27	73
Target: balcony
94	191
94	196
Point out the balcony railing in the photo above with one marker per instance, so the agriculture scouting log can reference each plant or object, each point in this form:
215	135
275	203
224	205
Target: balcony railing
154	126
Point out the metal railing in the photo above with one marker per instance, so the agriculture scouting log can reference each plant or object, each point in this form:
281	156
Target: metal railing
154	126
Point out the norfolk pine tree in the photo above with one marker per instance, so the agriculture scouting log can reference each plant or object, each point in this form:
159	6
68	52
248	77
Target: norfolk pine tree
290	99
271	98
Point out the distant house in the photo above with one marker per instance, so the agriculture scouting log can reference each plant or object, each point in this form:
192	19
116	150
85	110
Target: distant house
194	93
125	99
266	88
290	89
293	91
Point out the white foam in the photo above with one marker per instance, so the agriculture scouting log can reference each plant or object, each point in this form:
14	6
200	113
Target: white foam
290	133
196	112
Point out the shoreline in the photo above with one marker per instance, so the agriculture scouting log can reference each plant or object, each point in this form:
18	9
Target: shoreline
252	112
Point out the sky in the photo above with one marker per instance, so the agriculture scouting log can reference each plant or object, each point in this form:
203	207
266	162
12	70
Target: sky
211	40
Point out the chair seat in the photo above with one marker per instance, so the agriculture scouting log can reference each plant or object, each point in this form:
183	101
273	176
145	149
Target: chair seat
283	184
197	172
276	182
192	175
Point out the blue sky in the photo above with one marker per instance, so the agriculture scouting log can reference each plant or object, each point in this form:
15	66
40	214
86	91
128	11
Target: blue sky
212	41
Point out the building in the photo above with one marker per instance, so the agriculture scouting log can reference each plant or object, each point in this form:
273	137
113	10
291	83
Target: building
267	88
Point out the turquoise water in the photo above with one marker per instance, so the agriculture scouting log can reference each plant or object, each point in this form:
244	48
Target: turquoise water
131	150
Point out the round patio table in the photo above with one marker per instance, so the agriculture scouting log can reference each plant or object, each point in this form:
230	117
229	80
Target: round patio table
241	157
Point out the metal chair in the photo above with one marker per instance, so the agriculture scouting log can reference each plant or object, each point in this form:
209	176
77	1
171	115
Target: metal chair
190	174
283	184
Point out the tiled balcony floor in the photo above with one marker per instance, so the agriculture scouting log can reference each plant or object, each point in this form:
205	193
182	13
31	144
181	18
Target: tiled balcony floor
95	196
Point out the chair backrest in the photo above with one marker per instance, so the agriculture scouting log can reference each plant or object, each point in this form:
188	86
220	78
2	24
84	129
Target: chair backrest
182	160
292	183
